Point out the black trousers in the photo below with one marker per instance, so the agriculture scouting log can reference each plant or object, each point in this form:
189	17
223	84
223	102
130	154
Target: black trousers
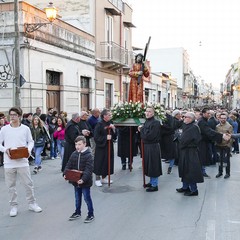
223	156
124	161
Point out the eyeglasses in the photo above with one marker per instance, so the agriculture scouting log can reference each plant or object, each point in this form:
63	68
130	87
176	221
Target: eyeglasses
13	115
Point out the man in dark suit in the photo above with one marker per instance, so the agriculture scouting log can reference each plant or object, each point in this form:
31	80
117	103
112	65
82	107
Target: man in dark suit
71	132
208	135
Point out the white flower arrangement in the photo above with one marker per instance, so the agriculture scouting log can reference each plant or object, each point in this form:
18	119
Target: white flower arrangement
136	110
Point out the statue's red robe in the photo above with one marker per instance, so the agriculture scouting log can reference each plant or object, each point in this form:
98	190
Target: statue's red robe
136	90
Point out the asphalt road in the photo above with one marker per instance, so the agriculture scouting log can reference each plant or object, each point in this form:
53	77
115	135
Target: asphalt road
125	210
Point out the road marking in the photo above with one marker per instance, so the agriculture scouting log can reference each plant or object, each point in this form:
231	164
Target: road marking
210	234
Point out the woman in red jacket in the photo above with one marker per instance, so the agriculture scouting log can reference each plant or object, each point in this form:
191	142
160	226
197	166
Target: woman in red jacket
59	135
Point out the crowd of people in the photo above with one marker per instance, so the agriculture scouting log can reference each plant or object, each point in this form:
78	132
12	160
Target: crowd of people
190	139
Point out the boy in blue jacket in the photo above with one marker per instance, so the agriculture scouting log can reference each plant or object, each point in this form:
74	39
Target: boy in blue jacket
82	160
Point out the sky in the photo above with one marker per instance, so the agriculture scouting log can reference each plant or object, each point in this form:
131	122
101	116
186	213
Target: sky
186	23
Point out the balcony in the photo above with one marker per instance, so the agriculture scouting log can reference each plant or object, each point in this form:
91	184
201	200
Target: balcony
115	57
118	4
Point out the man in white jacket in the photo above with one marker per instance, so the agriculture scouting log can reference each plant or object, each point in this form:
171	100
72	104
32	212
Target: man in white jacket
12	136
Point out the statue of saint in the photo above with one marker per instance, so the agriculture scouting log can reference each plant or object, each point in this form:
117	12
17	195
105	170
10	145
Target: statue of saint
139	69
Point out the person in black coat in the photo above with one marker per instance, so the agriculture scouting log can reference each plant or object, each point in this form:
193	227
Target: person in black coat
168	146
178	122
82	160
212	122
189	166
27	119
167	136
150	134
71	132
208	135
104	135
124	145
85	128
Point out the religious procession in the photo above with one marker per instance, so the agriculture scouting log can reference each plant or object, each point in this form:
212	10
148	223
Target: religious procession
191	139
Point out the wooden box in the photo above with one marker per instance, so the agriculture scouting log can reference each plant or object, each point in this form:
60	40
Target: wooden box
18	153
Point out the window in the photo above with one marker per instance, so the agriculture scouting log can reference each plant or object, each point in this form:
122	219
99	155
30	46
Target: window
84	82
109	36
109	28
53	78
146	94
153	98
125	92
168	101
126	43
159	96
108	95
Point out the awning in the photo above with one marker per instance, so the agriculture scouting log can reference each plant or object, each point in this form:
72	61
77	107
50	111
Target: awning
128	24
113	11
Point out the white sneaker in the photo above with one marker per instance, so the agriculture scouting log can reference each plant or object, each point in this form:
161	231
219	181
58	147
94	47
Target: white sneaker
34	207
105	180
13	212
98	183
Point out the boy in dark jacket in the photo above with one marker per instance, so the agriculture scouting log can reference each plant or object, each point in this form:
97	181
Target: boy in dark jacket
82	160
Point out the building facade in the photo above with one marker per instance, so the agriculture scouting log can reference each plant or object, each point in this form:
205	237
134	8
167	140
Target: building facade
57	62
230	89
110	22
114	56
82	60
176	62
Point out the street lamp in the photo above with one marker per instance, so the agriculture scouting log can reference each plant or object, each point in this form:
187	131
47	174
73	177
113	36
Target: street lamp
51	13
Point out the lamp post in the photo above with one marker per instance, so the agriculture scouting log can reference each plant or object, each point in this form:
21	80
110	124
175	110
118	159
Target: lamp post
51	13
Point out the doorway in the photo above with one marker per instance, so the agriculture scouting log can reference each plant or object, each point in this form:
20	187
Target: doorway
53	100
53	90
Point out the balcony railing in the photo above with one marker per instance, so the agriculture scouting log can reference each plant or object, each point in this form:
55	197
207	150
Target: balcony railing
112	52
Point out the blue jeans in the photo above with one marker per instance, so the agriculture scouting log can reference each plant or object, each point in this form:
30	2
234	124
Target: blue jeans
38	159
53	149
213	153
154	181
192	186
87	198
203	169
171	162
60	148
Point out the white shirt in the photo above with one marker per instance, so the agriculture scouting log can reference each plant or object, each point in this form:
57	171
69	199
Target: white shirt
13	137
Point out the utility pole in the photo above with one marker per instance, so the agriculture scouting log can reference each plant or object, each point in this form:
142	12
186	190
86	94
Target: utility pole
17	53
